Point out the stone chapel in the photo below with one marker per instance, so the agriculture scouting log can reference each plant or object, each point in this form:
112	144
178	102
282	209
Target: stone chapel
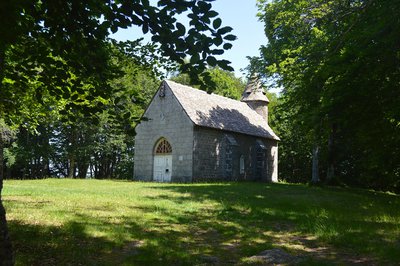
189	135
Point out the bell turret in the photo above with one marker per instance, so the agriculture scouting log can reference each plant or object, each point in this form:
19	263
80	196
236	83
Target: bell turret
254	96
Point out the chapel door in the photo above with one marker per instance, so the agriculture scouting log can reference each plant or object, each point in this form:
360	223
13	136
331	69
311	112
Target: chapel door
162	168
162	161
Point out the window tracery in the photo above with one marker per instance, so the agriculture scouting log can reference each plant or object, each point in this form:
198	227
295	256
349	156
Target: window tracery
163	147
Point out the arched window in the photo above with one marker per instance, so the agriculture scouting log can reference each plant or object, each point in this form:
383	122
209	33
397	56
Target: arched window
241	164
230	143
163	147
260	159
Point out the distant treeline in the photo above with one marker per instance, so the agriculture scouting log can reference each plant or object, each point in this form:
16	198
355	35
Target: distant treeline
76	151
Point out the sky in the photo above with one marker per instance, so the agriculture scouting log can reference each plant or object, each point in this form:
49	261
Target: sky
241	16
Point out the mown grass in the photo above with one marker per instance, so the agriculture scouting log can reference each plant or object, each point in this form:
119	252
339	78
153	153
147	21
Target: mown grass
97	222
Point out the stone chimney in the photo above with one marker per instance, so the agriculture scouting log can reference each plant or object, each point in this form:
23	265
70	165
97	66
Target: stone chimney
254	96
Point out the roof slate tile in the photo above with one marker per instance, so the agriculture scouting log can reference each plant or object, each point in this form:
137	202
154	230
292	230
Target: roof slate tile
214	111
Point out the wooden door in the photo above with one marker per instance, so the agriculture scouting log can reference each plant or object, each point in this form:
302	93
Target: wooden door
162	168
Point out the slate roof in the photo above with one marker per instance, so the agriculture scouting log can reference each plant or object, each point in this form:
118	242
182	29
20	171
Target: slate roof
214	111
254	92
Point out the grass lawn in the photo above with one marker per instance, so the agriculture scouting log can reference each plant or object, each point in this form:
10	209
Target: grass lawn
102	222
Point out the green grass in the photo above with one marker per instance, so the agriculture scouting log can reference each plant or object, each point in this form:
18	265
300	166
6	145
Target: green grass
94	222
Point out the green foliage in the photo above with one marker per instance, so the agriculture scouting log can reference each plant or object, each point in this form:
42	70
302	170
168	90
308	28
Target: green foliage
117	222
6	132
86	25
9	156
225	83
69	143
294	147
337	62
57	64
56	60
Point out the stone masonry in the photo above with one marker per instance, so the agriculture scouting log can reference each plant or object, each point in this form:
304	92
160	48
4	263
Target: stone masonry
212	138
167	119
213	151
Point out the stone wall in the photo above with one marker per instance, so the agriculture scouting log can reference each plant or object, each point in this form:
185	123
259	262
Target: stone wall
260	107
166	119
217	153
208	154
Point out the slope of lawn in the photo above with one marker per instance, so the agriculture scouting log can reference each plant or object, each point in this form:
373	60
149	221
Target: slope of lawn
102	222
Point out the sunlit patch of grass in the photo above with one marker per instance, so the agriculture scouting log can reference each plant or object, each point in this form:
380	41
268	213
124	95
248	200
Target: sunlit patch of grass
321	223
101	222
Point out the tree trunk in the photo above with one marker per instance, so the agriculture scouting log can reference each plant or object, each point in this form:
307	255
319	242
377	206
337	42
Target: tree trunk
6	253
315	172
91	170
45	144
83	169
46	167
71	168
331	155
330	173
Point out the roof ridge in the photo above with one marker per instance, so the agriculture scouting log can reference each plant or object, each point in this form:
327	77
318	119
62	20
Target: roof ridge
204	92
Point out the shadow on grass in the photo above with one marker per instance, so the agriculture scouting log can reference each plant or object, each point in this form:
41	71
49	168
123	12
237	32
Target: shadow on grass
354	224
228	222
51	245
71	244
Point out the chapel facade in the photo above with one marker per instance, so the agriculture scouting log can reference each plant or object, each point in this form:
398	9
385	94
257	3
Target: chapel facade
191	136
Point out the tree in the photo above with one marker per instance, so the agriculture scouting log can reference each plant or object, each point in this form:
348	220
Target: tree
6	133
59	147
224	82
338	64
65	47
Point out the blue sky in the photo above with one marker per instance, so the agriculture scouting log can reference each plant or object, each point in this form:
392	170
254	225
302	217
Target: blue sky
241	16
